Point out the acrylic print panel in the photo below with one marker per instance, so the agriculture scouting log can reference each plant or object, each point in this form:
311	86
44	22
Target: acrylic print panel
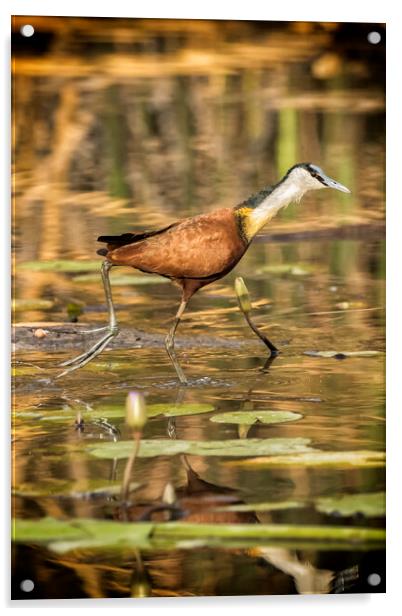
221	467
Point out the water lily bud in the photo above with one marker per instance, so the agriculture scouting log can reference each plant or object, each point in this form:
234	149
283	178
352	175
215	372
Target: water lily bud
242	295
169	494
141	588
136	411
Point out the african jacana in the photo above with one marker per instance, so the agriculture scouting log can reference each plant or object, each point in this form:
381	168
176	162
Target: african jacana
197	251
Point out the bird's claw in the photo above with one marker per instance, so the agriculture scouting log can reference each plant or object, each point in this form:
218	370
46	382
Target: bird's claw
84	358
97	329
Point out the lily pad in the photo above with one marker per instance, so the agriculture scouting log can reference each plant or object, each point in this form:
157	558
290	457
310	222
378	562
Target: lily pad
27	414
178	410
25	370
270	506
95	490
370	505
116	411
63	536
60	265
252	417
123	280
338	459
290	269
228	448
32	304
341	354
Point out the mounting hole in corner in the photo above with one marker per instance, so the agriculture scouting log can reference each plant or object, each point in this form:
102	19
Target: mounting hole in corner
27	30
27	585
374	579
374	38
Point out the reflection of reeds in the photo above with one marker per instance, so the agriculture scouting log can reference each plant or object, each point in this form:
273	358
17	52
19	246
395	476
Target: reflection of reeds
182	117
201	123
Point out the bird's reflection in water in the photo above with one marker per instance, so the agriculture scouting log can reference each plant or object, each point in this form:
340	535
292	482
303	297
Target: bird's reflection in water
196	500
200	501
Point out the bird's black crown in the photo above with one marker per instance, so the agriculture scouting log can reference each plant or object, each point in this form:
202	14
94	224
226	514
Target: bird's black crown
312	169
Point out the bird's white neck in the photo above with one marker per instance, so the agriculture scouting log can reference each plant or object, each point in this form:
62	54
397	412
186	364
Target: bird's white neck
284	193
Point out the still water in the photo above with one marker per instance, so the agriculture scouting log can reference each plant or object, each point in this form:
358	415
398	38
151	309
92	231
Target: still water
201	123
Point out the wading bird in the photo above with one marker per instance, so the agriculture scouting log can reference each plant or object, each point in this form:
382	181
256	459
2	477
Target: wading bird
197	251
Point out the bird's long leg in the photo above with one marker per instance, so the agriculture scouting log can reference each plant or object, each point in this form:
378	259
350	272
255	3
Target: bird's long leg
169	343
112	328
274	351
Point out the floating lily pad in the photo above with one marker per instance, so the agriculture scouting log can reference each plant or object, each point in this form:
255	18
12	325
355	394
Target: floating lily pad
228	448
62	535
370	505
52	415
110	364
271	506
290	269
177	410
33	490
338	459
27	414
252	417
71	491
116	411
123	280
25	370
341	354
60	265
32	304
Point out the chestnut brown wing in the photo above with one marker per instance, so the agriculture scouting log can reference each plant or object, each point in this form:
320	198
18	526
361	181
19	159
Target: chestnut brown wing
116	241
198	247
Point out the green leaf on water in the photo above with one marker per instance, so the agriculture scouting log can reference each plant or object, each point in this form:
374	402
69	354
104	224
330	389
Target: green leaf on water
32	304
252	417
268	531
51	415
316	458
44	530
65	535
26	370
102	365
123	280
370	505
228	448
341	354
60	265
92	490
27	414
270	506
290	269
116	411
177	410
62	536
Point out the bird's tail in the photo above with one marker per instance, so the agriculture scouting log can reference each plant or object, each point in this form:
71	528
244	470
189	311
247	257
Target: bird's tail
116	241
125	238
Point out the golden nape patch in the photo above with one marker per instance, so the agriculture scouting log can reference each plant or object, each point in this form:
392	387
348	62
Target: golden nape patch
246	222
251	220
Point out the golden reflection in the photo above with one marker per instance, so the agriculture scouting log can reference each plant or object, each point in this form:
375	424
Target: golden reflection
123	125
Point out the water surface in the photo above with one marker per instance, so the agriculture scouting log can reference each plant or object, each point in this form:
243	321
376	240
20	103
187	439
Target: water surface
201	122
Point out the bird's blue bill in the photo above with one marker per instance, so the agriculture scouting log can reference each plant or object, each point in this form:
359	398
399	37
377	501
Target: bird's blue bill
334	184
